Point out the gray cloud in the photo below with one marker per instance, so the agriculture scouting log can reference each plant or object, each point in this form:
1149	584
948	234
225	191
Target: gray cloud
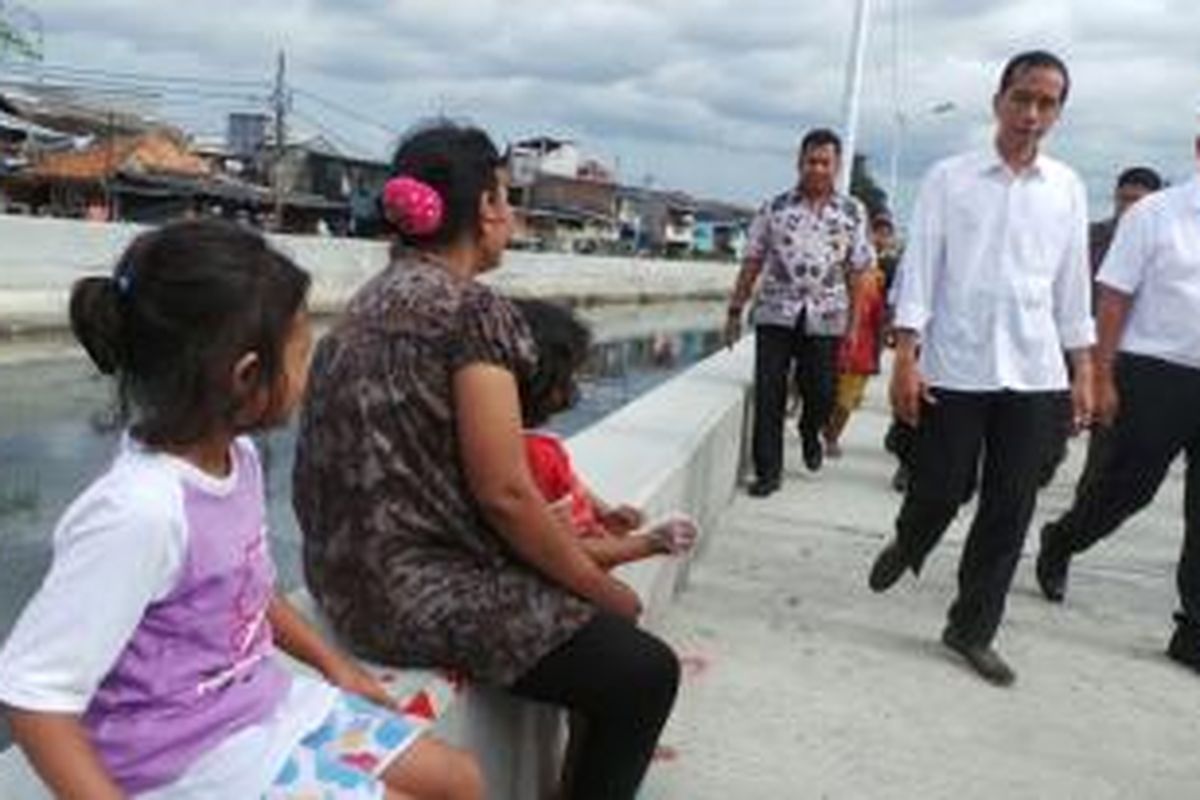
708	95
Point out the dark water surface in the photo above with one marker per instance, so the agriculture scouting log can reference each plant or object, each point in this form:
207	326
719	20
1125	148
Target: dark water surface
53	437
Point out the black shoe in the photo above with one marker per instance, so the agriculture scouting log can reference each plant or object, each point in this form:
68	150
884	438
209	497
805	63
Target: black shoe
1051	571
889	565
1185	643
986	662
814	454
763	487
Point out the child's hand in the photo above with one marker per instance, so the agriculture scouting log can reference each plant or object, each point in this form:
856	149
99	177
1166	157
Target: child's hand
675	535
561	511
351	677
622	519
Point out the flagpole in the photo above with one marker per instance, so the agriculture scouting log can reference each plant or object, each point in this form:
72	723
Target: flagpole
850	101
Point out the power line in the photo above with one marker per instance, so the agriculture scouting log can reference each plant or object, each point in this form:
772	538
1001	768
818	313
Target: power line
352	148
348	112
65	90
64	70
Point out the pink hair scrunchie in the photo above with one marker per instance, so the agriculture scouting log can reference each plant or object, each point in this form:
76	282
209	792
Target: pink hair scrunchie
413	206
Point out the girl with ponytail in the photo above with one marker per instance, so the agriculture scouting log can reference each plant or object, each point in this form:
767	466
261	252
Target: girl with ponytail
146	664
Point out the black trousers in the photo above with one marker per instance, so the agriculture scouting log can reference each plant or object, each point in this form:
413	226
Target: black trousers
622	682
1159	418
779	349
1010	432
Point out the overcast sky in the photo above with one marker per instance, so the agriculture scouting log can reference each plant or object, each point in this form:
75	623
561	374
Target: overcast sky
709	96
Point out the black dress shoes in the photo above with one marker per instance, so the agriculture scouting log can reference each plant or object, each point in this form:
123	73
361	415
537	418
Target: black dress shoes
763	487
814	453
888	567
1185	643
986	662
1051	570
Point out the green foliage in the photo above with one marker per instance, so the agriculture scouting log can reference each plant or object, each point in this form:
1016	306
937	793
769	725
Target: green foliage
12	40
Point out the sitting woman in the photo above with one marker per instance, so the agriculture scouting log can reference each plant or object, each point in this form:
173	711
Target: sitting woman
426	540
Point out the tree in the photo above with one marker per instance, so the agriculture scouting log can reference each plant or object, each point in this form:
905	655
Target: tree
12	40
864	187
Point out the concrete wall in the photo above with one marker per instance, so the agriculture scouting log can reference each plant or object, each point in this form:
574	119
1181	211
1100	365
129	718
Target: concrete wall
678	447
41	257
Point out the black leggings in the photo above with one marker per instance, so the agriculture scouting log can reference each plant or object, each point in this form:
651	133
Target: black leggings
622	681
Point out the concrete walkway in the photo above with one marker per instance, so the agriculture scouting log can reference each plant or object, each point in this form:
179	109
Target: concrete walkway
803	684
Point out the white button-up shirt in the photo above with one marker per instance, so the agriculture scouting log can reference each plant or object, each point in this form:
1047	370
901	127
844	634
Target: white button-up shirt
1156	258
995	276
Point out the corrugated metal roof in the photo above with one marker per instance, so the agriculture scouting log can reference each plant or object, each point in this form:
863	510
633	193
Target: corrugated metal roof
33	130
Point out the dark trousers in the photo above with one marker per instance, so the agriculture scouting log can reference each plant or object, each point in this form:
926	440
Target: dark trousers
779	349
1010	432
1056	452
622	682
1159	418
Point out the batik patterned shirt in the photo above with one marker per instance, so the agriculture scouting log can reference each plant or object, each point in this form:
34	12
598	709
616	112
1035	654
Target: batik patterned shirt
396	550
808	254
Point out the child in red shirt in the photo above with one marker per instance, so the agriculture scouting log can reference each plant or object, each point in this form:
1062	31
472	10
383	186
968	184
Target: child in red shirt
858	358
610	535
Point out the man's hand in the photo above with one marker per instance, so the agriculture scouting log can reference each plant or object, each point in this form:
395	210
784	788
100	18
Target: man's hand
733	327
1083	402
1106	397
908	389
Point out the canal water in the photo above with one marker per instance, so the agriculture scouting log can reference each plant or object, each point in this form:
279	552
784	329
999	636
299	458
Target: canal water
54	436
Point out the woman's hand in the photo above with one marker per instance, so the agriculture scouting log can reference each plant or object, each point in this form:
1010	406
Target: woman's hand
622	601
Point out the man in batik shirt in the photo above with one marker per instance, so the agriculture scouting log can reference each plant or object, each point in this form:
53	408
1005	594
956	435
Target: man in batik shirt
808	244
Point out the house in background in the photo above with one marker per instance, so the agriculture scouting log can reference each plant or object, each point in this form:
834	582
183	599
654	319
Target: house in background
720	230
326	185
569	214
324	188
655	222
561	200
149	177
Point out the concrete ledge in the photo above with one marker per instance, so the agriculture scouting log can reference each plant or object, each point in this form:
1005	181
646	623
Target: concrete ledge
42	257
676	448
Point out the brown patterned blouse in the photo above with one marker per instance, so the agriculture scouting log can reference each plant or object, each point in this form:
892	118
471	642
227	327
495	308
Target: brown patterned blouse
396	550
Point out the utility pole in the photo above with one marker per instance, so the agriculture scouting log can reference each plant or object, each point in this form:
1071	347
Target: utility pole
898	120
854	70
279	102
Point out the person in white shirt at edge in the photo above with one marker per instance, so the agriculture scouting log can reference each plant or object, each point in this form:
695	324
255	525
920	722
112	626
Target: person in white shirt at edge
994	285
1148	395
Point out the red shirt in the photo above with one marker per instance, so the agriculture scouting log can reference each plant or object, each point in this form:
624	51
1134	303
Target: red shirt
863	358
551	467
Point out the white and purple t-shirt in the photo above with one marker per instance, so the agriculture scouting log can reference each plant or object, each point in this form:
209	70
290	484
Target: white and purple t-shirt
151	625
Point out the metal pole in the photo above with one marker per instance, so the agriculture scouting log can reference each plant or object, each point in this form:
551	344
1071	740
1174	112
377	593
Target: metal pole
279	98
854	70
894	167
897	114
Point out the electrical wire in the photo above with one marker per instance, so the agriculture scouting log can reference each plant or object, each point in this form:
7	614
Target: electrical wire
347	112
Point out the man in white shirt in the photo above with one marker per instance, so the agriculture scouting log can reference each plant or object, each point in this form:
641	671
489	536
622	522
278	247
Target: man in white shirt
1148	394
994	286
